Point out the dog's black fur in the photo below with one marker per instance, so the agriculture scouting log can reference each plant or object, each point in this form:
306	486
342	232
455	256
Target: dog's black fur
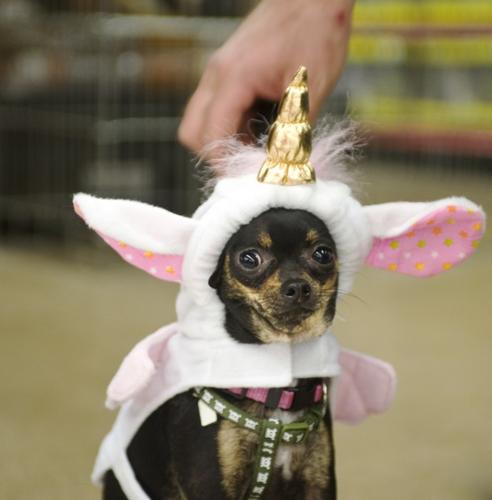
277	278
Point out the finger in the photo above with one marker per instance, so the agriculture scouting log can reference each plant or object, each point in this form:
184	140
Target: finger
316	101
227	109
192	123
318	92
323	83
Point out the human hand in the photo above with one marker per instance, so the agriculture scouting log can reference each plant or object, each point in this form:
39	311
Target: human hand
259	60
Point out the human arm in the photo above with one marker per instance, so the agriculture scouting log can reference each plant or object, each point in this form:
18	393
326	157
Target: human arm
259	60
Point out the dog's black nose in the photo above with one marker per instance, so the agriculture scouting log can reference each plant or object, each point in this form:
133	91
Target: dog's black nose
296	291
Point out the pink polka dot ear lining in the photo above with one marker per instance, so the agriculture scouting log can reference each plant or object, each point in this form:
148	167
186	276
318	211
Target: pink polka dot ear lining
164	267
435	243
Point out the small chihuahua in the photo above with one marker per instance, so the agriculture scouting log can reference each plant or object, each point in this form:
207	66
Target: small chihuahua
261	264
277	278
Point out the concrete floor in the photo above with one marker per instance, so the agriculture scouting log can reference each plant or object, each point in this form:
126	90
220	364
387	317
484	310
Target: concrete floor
66	322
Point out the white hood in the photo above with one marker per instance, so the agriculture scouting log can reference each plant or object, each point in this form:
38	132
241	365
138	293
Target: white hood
201	314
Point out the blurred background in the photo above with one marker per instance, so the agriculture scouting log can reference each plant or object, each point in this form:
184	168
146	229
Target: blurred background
91	94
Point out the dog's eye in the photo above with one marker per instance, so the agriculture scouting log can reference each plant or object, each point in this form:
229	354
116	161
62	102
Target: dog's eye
250	259
323	255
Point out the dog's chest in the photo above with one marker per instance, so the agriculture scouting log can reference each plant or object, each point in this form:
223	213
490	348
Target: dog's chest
285	452
307	462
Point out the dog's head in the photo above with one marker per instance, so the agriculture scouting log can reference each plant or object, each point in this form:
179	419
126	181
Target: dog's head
277	277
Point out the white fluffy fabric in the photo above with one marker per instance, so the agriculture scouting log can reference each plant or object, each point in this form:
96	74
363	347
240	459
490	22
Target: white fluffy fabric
387	220
138	224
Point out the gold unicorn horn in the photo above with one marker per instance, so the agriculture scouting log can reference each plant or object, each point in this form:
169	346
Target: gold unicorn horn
289	139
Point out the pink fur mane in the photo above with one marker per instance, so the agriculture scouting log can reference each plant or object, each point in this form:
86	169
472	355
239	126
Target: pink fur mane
333	148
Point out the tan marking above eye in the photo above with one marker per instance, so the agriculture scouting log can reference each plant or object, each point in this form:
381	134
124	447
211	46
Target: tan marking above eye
265	240
312	235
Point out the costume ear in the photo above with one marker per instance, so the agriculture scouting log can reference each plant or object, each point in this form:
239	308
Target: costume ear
423	239
147	237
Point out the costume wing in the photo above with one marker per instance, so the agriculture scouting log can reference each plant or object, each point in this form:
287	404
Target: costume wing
366	386
138	367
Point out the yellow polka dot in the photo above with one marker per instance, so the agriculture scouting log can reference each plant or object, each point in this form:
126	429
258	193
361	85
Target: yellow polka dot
392	266
422	243
420	266
170	269
448	242
451	221
149	255
477	226
122	244
470	211
476	243
395	244
447	265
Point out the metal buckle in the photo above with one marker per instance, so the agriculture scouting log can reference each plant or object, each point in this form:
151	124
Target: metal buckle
325	399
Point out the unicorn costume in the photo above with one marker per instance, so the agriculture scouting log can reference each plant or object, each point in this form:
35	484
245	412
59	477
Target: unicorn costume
418	239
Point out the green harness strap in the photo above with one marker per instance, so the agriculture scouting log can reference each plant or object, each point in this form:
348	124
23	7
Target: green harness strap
271	431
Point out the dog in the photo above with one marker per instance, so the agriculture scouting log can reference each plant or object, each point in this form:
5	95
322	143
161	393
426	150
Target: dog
261	264
278	280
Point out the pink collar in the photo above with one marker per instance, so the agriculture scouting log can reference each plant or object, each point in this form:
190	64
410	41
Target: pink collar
288	398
